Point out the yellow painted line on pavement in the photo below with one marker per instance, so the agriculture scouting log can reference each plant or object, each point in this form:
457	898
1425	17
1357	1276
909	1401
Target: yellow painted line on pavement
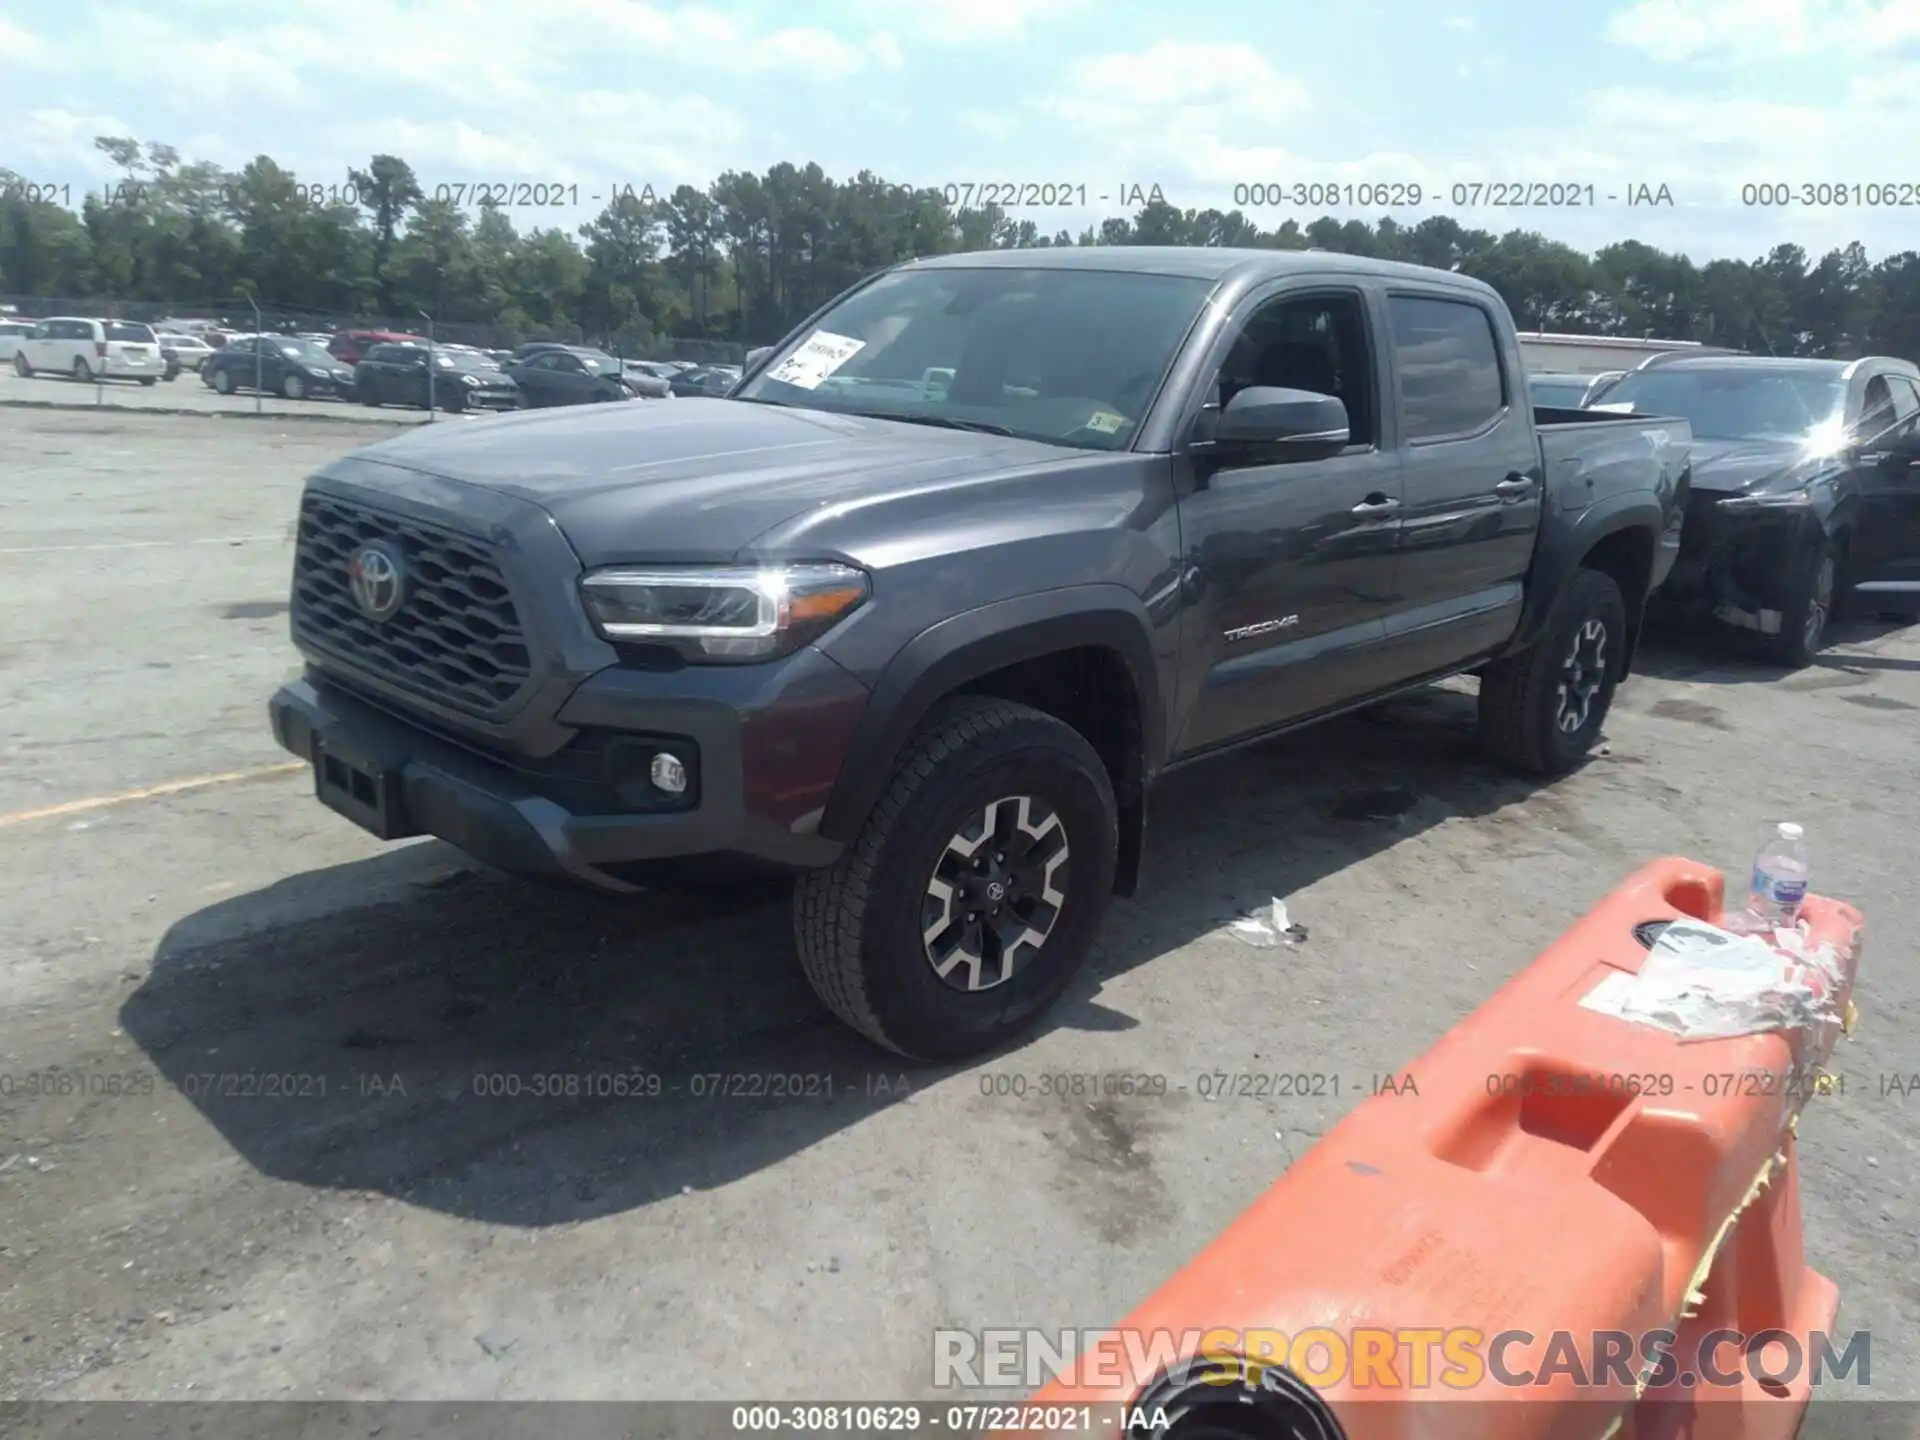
137	544
151	792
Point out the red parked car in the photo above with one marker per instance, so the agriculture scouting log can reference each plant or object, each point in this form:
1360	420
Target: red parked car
349	345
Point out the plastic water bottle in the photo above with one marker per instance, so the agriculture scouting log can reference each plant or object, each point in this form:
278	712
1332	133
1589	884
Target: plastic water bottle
1779	885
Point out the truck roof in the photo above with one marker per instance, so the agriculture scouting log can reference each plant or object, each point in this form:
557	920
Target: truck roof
1200	262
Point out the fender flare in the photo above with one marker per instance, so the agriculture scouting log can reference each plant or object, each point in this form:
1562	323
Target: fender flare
1560	559
945	656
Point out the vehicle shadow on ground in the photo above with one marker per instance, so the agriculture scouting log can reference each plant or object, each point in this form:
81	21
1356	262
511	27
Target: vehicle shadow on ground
532	1056
1722	657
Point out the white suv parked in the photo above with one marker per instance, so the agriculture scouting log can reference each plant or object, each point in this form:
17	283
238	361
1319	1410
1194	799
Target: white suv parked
88	350
12	332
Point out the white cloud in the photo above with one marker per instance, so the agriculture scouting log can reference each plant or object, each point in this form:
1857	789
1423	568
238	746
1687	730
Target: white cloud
964	22
1465	23
35	139
987	122
1176	86
1749	30
21	49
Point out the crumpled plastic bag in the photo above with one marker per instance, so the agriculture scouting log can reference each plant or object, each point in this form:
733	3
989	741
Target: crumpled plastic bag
1702	982
1266	928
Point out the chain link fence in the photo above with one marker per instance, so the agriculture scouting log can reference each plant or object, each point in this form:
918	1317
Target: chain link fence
631	343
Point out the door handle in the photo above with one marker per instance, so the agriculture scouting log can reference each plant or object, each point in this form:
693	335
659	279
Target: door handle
1376	504
1514	487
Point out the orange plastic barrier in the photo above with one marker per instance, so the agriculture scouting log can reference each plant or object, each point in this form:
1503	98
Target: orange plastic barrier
1548	1169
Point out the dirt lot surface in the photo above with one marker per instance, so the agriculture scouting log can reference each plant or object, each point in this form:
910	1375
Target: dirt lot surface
179	913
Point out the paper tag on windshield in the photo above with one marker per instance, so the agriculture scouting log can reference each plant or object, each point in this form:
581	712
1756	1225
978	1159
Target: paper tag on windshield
1614	407
1106	422
819	355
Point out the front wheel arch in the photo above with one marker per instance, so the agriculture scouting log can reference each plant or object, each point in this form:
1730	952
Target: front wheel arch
1003	650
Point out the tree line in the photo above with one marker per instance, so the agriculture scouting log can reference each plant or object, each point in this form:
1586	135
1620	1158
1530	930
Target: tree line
749	256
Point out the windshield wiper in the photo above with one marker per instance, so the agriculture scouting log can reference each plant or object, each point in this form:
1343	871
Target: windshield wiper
944	422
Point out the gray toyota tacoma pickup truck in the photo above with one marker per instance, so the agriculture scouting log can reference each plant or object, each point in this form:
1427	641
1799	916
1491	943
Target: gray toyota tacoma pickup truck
925	606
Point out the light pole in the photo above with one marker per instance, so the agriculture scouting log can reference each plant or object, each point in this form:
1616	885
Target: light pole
259	358
432	365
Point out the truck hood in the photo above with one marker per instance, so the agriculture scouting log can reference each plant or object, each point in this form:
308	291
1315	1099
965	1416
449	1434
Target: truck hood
1745	467
698	479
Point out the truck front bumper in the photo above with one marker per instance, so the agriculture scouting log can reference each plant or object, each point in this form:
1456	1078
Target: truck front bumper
759	766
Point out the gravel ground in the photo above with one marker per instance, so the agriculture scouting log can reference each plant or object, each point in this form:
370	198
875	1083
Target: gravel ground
389	1231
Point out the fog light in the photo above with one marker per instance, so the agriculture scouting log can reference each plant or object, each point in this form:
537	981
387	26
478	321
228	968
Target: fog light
669	774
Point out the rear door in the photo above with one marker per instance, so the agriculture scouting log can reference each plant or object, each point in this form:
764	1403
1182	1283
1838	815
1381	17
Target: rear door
1473	479
1290	562
370	374
1885	556
132	348
240	361
573	385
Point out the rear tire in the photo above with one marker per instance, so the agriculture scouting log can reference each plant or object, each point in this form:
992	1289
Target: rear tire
149	381
1542	710
1807	610
82	371
22	368
869	927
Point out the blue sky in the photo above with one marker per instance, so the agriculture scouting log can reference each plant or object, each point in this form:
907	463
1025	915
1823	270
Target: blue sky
1699	96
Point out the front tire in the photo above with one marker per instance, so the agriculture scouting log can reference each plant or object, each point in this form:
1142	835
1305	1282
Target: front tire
1808	609
1542	710
293	387
223	382
996	811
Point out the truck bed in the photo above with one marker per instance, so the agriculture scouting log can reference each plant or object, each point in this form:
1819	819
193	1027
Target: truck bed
1593	454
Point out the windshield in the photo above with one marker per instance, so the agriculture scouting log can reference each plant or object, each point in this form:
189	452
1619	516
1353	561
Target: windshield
600	364
1072	357
1737	402
308	351
462	360
127	331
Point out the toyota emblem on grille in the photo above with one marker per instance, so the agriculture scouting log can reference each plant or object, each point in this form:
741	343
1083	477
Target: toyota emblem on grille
377	580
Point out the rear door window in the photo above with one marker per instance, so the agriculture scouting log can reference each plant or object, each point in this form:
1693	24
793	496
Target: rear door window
130	332
1448	358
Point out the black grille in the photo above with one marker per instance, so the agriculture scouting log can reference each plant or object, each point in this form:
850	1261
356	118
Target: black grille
456	638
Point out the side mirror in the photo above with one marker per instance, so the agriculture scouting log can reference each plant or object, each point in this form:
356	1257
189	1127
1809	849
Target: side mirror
754	357
1297	421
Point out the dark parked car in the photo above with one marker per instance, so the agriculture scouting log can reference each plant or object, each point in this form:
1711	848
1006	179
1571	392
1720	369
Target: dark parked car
417	375
297	369
933	653
571	376
349	346
1805	497
706	380
646	380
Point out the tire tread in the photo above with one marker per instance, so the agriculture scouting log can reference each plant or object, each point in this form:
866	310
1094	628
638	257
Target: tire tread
1512	690
830	904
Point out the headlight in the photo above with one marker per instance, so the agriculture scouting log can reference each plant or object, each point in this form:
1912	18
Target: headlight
469	379
1774	500
727	614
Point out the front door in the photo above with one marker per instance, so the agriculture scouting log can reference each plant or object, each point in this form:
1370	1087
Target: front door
1885	557
1290	564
